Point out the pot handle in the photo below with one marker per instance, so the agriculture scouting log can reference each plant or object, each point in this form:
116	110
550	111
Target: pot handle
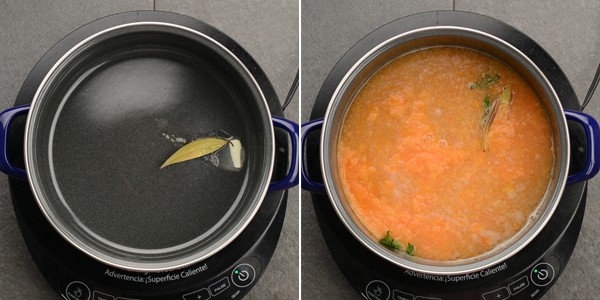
592	136
291	179
6	117
307	182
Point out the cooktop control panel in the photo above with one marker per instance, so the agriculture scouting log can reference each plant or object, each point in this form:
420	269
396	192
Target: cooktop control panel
231	284
528	284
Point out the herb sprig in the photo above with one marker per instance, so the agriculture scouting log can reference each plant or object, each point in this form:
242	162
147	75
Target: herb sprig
490	112
410	249
484	82
394	245
490	108
390	243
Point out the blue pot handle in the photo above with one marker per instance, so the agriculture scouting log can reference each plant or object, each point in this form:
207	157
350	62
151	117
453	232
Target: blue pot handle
592	135
307	183
291	179
6	117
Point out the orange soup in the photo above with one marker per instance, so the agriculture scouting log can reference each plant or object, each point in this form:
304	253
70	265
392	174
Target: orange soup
415	159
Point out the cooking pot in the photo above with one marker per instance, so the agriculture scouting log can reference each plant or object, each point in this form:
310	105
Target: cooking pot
382	46
113	108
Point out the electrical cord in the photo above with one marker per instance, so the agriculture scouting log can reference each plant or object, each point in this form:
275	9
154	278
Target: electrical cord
590	93
292	92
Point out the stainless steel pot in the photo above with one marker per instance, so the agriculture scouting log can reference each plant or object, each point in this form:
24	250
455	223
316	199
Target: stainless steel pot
380	54
98	129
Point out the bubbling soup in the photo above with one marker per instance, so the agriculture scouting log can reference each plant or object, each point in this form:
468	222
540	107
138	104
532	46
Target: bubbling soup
445	153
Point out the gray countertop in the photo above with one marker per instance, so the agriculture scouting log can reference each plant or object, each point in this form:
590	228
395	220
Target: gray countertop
268	30
568	30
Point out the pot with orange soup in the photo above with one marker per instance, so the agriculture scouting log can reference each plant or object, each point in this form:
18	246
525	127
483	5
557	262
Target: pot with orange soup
445	150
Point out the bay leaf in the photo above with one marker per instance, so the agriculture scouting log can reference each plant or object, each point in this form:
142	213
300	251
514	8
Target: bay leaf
195	149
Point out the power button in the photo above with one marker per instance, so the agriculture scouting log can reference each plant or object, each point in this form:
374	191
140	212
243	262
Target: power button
243	275
542	274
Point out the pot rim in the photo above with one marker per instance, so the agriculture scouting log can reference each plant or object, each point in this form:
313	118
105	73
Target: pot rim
141	265
467	267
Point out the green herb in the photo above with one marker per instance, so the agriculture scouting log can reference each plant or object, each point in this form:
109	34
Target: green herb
486	104
486	121
490	112
410	249
390	243
195	149
486	81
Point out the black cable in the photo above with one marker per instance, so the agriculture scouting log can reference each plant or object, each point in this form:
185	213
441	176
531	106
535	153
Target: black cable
590	93
291	92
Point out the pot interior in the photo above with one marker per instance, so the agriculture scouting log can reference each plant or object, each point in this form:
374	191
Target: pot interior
381	55
113	111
